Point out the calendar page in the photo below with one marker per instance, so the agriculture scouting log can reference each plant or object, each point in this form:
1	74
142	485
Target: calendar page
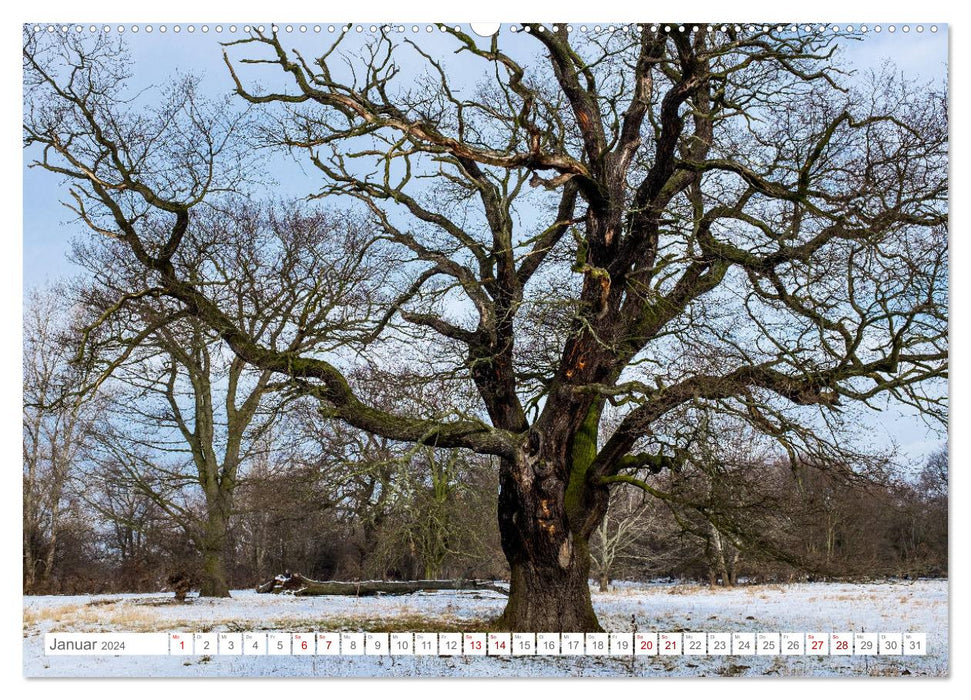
613	349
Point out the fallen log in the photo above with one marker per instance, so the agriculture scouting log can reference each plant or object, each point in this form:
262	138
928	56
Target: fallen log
302	586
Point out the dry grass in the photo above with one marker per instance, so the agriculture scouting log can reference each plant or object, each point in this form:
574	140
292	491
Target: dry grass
889	669
731	669
33	616
117	616
688	589
877	597
761	589
142	616
403	622
101	616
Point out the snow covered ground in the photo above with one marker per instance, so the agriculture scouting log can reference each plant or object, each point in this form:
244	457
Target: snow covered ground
919	606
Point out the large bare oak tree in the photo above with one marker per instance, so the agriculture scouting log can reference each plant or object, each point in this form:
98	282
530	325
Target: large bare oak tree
660	222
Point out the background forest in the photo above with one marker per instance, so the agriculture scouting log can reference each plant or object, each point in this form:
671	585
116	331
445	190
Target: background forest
109	508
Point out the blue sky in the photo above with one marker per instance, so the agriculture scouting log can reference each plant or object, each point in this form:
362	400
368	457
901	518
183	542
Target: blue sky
157	56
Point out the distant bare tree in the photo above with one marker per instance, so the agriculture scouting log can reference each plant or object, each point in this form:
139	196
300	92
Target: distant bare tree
933	512
56	426
187	413
933	479
616	536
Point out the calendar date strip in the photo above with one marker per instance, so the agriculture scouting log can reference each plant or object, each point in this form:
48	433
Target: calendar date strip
618	644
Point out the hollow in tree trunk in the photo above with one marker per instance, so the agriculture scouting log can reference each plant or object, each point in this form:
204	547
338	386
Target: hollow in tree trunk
547	513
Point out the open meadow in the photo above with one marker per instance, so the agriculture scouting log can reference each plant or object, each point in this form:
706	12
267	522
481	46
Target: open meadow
919	606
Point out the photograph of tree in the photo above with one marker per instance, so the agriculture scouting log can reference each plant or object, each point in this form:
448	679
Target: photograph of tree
528	329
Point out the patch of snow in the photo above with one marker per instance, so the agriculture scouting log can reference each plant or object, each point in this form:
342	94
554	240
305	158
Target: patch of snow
918	606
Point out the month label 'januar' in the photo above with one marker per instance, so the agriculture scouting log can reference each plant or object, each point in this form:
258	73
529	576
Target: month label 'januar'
106	644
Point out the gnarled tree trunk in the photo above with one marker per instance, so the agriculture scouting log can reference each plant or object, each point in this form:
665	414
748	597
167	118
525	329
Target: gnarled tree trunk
550	596
547	513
